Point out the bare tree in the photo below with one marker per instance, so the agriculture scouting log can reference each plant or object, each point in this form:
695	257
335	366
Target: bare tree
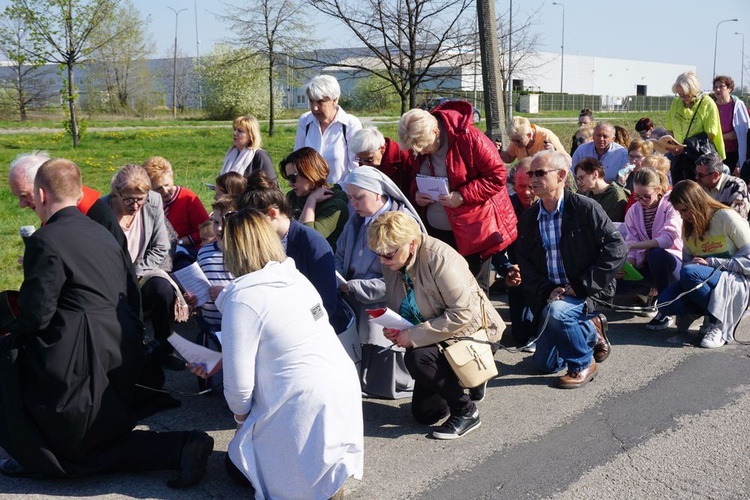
26	78
408	39
120	66
272	29
62	29
187	77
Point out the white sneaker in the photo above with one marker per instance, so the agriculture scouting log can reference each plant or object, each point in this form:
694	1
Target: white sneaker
713	337
705	326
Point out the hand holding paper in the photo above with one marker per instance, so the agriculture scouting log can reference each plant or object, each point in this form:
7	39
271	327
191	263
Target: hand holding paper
387	318
195	354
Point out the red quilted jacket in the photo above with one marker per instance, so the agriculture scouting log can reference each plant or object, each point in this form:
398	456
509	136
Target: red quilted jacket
476	171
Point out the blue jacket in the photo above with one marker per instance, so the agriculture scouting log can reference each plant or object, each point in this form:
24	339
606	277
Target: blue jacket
314	259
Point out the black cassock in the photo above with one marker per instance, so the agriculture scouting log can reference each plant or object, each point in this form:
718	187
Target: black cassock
68	368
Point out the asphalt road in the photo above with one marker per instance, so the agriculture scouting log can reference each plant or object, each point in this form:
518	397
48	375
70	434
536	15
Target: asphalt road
663	419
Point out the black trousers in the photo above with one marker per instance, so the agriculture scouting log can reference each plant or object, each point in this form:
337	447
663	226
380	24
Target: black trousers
158	299
437	390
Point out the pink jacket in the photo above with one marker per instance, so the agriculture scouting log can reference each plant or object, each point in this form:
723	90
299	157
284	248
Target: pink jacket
667	230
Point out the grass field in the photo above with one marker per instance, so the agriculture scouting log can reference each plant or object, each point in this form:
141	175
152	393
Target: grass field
195	148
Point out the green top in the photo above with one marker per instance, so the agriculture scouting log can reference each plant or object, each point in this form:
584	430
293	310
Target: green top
613	200
330	215
706	120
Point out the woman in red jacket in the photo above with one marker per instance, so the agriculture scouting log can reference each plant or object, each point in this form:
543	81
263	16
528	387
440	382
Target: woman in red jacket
474	214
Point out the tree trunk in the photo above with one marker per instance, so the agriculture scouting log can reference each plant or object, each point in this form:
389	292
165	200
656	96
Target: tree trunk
270	95
21	96
72	104
490	55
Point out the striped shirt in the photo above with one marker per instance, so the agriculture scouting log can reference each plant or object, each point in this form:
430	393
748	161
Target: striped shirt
649	214
550	226
211	260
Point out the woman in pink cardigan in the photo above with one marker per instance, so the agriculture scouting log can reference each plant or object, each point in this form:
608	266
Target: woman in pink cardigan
653	236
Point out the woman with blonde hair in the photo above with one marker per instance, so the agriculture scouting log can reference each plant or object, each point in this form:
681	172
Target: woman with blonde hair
182	207
291	386
716	253
140	212
431	286
246	156
475	217
527	139
691	114
315	203
653	236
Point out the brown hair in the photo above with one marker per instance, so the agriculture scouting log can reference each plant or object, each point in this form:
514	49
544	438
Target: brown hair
232	183
726	80
590	165
649	177
646	148
263	194
224	204
310	164
643	124
700	205
622	136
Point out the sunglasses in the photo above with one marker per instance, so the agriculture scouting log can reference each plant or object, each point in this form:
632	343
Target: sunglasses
388	256
292	178
539	173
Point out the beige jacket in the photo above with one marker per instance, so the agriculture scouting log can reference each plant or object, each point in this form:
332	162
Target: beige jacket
446	293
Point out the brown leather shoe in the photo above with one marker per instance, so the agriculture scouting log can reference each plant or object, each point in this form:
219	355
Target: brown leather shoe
574	380
602	347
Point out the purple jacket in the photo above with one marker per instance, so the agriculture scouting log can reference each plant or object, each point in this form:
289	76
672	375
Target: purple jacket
667	230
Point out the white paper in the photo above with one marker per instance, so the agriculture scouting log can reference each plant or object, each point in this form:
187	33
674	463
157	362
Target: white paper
340	279
434	186
389	319
194	353
194	282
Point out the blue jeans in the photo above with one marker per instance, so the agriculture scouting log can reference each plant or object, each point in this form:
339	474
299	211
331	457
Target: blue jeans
568	339
696	302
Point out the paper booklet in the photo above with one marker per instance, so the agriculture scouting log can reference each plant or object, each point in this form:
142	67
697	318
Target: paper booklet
388	318
666	140
434	186
194	353
194	282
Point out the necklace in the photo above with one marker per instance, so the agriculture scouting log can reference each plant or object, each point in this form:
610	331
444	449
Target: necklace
126	224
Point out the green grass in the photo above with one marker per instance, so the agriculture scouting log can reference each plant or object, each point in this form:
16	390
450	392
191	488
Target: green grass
196	150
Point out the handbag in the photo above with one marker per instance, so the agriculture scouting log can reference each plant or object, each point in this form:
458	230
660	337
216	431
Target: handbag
471	358
695	147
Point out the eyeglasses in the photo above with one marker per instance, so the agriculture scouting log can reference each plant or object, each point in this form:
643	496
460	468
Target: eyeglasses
388	256
539	173
700	176
580	140
133	200
635	157
642	197
580	178
292	178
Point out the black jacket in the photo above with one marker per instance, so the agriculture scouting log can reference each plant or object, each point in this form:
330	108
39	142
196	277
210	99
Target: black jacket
593	250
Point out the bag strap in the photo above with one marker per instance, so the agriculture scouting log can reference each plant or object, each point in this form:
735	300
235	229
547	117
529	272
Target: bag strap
687	134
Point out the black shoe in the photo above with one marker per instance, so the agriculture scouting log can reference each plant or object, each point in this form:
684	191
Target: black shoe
11	467
172	362
477	393
457	425
195	452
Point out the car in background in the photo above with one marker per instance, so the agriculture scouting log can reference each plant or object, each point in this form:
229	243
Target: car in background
431	104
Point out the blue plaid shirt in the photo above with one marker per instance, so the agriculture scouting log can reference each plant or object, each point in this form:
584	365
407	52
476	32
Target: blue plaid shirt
550	226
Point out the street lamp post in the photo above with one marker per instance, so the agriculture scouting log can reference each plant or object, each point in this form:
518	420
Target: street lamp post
716	39
174	63
742	66
562	52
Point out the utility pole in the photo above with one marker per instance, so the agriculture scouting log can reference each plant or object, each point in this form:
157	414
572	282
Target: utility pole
174	63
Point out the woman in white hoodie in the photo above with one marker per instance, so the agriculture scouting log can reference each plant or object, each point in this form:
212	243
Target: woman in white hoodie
296	398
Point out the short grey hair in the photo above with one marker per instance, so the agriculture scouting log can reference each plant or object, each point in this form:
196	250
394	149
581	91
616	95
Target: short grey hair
557	160
366	140
322	87
28	163
712	162
606	125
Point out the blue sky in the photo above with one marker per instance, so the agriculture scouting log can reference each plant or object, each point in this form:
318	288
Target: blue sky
653	30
